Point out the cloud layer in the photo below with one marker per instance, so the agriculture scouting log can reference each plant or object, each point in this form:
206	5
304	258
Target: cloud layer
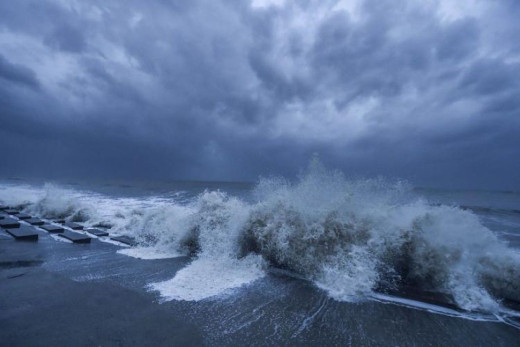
428	91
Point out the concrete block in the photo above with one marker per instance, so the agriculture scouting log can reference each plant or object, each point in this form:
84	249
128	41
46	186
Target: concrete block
75	237
125	239
3	207
97	232
11	211
23	216
59	221
35	221
73	226
52	228
9	223
24	233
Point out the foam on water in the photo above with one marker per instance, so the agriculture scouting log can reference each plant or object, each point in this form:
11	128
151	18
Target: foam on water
209	277
432	308
149	253
60	239
214	228
352	238
15	195
54	202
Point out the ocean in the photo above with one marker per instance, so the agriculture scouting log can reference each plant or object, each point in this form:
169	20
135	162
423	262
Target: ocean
321	259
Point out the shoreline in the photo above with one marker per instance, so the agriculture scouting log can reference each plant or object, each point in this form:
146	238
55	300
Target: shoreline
55	293
39	307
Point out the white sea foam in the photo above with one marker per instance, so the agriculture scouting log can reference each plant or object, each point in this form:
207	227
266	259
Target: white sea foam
60	239
18	195
216	221
209	277
433	308
350	237
149	253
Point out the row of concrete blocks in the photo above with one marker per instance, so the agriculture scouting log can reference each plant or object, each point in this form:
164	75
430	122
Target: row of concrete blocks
28	233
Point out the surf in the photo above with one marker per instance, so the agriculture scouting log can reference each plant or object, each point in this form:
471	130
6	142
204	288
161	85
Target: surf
355	239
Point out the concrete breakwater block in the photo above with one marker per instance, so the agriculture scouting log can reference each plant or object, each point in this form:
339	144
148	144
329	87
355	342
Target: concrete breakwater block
9	223
97	232
2	216
125	239
3	207
59	221
23	216
52	228
12	211
23	233
75	237
73	226
35	221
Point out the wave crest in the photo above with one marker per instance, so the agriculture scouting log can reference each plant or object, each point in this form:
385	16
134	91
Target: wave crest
350	237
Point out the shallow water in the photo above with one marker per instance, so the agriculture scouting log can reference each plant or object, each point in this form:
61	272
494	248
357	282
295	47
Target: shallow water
92	295
368	243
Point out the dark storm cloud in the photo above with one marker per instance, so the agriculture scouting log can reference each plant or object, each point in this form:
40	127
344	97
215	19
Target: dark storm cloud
67	38
16	73
230	90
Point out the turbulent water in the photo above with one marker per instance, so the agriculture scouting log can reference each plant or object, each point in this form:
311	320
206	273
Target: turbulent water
351	238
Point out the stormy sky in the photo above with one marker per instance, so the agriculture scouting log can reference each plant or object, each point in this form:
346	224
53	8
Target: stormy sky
427	91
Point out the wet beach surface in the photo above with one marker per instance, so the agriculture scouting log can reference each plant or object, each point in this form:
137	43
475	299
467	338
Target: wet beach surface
59	293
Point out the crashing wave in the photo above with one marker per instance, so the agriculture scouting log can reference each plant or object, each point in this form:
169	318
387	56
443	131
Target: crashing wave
350	237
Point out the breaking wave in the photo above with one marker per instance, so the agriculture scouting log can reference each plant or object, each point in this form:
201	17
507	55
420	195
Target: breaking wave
352	238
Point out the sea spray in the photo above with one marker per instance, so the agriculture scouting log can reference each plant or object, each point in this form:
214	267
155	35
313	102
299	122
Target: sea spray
215	227
350	237
353	237
58	202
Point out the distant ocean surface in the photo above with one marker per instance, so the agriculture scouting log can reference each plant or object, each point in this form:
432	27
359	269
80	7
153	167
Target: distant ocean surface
354	240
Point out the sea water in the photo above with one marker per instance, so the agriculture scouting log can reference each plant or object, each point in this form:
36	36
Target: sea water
355	240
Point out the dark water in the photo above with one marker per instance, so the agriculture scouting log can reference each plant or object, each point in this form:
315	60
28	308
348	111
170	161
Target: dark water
497	210
284	306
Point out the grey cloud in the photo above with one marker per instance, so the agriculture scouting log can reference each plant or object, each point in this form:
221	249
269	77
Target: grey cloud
458	40
488	76
208	90
17	73
67	38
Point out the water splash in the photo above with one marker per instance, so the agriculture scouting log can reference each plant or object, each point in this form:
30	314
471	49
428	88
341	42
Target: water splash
350	237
